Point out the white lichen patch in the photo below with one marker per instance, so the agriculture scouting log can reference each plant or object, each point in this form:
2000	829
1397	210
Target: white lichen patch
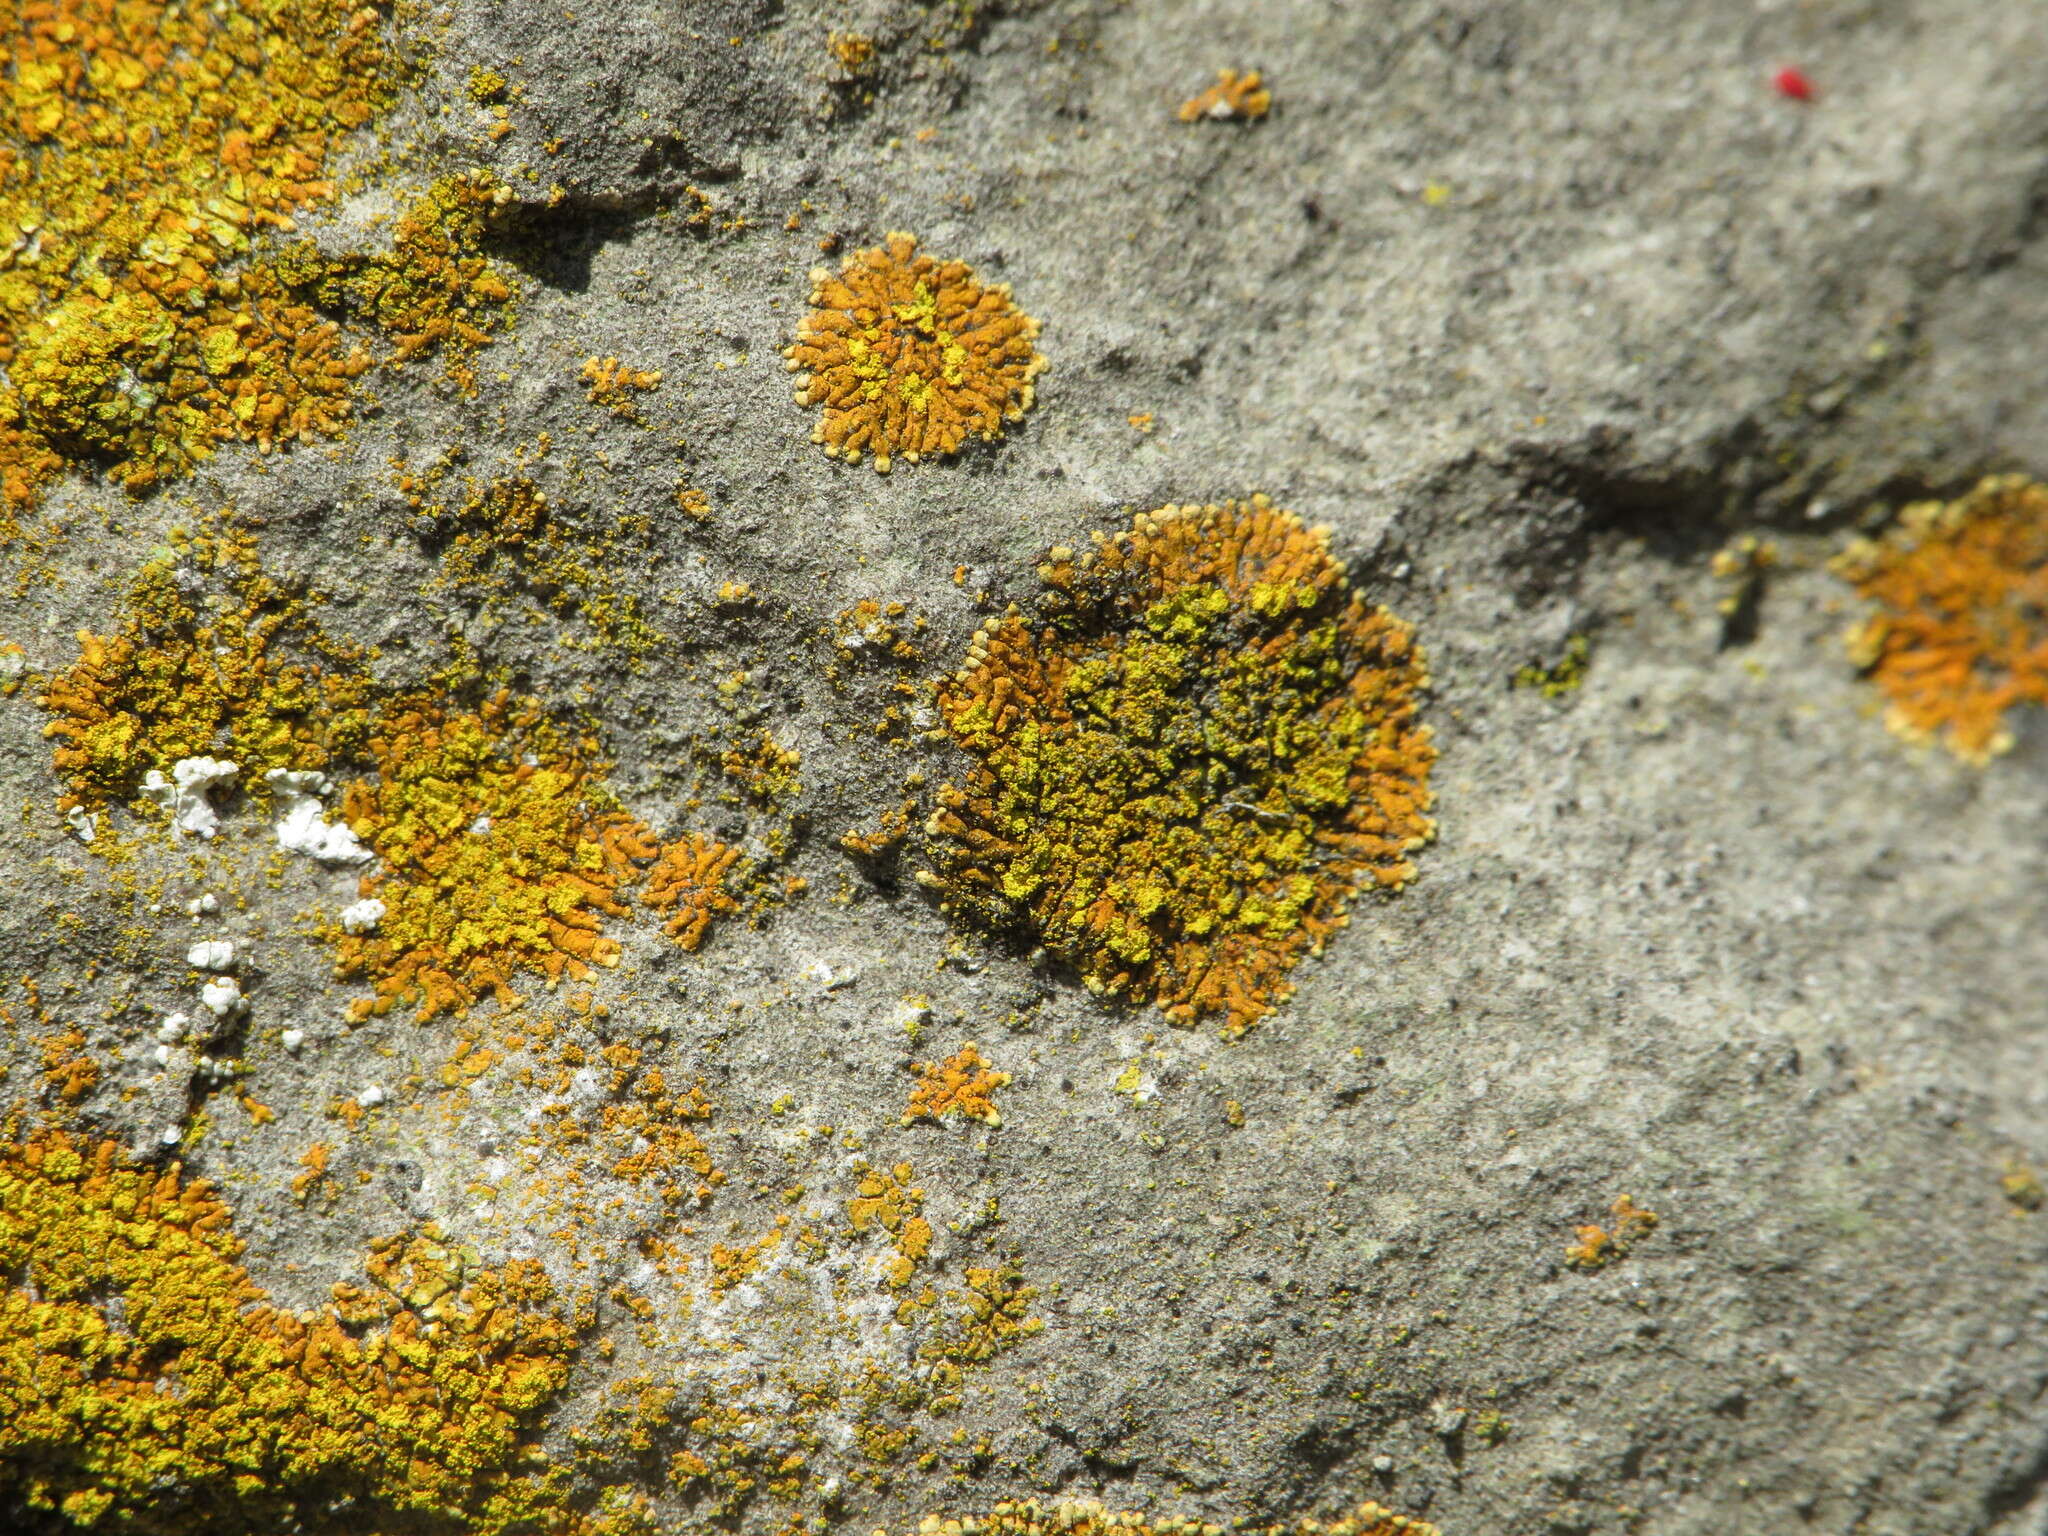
362	916
186	793
301	828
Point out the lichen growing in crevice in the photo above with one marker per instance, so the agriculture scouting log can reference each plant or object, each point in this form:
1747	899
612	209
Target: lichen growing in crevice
1185	761
1960	633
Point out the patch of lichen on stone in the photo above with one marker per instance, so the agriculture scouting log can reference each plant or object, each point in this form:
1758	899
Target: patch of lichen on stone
1556	679
1085	1517
964	1084
687	884
1186	761
435	292
146	146
501	851
211	654
1239	96
1598	1246
1960	635
147	1378
512	553
911	356
618	385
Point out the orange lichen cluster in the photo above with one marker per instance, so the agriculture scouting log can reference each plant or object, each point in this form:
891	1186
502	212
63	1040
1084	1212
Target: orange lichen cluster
146	145
649	1120
497	856
1186	762
147	1376
616	385
1085	1517
1960	635
188	673
963	1084
886	1199
1234	97
1598	1247
687	882
911	356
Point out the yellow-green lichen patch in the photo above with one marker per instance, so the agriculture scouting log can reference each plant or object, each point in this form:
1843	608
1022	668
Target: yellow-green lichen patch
148	1378
210	655
514	557
500	851
1556	679
910	356
1186	762
144	147
1960	635
1085	1517
434	292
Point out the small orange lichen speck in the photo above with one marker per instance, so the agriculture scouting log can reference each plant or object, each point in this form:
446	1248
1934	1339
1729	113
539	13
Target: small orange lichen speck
1598	1247
1186	761
911	356
963	1084
1234	96
1960	635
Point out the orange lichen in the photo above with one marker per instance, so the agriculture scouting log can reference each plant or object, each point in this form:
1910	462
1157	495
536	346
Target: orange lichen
1186	762
146	147
69	1074
911	356
1085	1517
1234	97
498	855
963	1084
1961	632
1597	1247
687	881
616	386
885	1198
189	673
148	1377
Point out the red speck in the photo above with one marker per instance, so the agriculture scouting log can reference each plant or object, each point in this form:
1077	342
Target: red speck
1793	83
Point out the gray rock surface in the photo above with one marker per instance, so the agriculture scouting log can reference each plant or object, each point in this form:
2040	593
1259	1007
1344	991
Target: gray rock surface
1535	306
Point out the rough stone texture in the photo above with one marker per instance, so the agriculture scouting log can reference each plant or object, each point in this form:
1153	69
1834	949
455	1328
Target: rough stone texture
1534	305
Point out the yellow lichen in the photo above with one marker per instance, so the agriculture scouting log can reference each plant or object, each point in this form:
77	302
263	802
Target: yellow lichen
1234	97
146	146
1186	762
202	662
1598	1247
1085	1517
146	1376
911	356
1960	635
963	1084
616	386
498	855
687	882
1558	678
885	1198
435	291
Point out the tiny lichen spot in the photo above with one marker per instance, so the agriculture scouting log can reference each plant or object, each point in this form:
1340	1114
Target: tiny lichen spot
1185	762
617	386
964	1084
1597	1247
1960	635
910	356
1235	97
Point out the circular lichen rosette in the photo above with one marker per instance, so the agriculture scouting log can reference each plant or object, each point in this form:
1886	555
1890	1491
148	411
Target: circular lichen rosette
1186	761
911	356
